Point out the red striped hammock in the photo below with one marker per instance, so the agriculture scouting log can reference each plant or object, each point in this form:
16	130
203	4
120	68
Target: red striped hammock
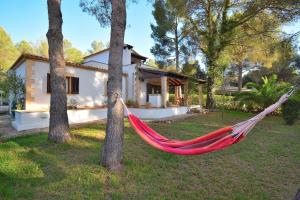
213	141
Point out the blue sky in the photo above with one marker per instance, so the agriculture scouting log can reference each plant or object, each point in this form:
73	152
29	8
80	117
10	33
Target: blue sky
27	19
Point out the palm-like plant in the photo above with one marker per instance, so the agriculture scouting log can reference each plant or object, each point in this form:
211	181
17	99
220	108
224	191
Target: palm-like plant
262	95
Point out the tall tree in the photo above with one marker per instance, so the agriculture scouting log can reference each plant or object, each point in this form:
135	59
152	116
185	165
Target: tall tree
213	23
253	46
71	53
59	125
42	48
96	46
25	47
167	31
8	52
112	12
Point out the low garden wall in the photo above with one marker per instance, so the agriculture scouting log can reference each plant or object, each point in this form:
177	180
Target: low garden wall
25	120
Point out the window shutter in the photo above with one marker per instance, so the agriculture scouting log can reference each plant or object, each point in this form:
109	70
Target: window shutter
48	83
75	85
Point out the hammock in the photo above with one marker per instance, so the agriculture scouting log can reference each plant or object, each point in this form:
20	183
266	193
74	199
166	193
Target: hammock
213	141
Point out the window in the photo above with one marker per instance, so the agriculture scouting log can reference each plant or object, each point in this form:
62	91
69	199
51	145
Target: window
72	84
48	83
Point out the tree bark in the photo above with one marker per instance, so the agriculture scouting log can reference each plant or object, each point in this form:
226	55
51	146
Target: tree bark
58	125
176	47
210	102
112	152
240	77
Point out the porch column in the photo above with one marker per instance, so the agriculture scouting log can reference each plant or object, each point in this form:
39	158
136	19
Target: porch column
186	89
137	85
176	92
180	91
200	93
164	91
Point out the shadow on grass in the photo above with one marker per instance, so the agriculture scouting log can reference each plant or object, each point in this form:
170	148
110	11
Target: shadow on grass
23	169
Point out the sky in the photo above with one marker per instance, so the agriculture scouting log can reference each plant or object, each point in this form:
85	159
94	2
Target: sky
27	19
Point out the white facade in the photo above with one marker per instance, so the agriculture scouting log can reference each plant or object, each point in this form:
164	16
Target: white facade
40	119
104	55
91	98
92	87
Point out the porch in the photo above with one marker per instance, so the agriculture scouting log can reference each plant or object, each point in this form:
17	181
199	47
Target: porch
154	87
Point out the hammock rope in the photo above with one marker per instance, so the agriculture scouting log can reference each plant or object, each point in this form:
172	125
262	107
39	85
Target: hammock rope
212	141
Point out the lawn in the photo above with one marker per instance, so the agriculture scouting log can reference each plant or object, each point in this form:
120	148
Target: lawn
264	166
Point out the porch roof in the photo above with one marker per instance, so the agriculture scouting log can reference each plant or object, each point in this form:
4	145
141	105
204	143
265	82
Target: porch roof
150	73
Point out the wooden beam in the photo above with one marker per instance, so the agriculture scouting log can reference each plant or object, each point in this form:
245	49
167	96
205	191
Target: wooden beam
164	91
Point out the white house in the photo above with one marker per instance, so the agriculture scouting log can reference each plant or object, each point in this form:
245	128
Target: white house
87	88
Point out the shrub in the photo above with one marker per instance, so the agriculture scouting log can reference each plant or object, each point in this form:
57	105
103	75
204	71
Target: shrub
290	110
136	105
72	104
148	105
263	95
169	104
172	98
130	103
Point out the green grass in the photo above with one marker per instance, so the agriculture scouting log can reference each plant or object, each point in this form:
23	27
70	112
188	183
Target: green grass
264	166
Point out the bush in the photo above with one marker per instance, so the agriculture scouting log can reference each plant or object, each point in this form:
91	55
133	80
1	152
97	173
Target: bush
148	105
263	95
130	103
290	110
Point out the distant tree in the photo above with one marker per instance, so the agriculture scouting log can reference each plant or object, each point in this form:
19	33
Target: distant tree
59	125
284	67
42	48
151	62
113	13
213	24
71	53
8	52
249	53
167	31
96	46
25	47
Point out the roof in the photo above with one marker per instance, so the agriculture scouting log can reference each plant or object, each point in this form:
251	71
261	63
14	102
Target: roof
161	72
134	53
24	57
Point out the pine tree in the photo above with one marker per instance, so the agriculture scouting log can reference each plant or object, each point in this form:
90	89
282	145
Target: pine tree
167	32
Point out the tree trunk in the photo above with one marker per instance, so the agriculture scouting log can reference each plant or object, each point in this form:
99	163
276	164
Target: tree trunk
176	48
240	77
210	102
59	125
112	152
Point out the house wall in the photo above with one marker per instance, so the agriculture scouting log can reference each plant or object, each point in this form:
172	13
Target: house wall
103	57
40	119
96	64
130	71
92	87
21	70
